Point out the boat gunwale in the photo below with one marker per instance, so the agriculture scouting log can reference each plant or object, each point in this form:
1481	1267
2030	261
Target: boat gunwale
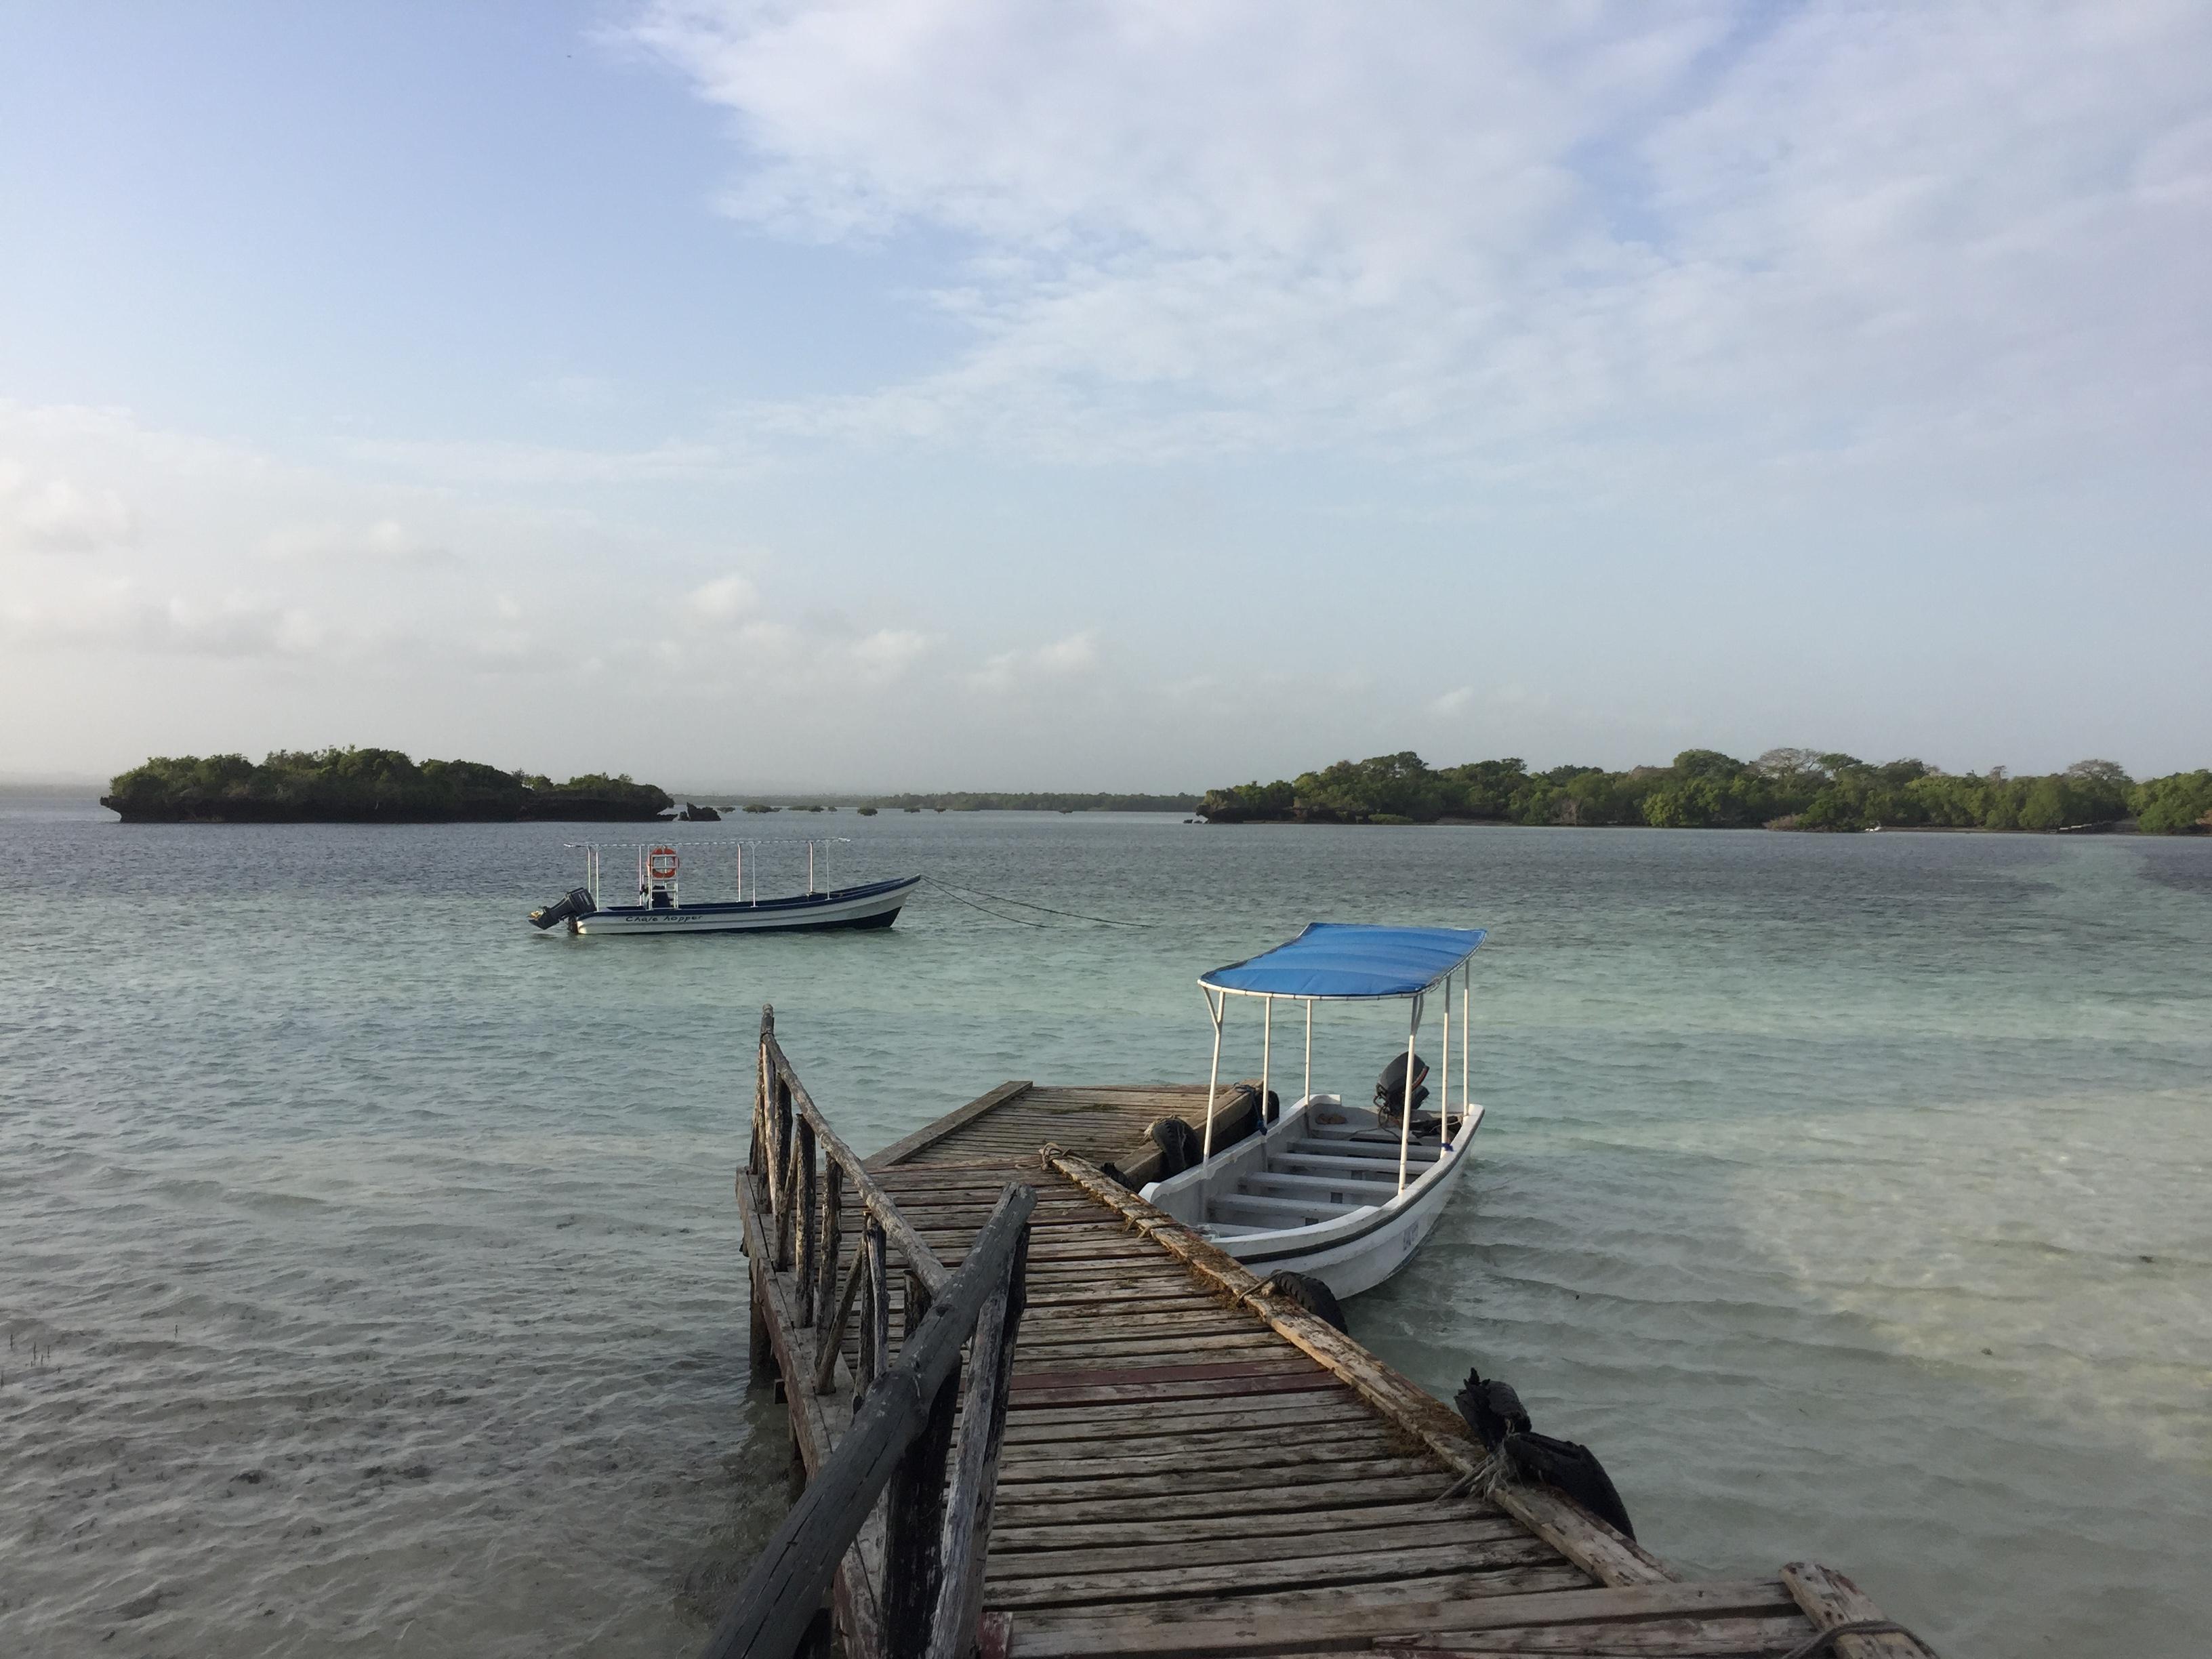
754	906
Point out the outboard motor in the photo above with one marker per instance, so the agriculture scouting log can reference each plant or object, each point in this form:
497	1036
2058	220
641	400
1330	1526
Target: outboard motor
1391	1088
576	903
1180	1147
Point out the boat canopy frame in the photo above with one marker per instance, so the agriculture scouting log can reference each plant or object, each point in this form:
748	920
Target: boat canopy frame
648	884
1349	962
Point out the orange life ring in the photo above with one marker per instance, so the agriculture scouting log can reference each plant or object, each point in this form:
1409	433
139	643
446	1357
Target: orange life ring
660	864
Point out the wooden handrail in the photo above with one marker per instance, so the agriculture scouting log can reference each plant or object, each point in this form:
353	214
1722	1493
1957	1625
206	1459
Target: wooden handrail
782	1156
902	1434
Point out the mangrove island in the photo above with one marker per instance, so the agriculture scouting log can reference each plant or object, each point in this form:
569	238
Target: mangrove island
1704	789
367	786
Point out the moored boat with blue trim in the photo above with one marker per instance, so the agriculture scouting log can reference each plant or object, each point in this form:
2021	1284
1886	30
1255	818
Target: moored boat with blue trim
660	910
1345	1194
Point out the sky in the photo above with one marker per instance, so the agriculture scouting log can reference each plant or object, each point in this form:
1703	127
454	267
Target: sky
966	394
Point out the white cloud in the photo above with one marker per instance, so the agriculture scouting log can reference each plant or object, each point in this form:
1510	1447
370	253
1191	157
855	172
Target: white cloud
1498	233
1454	702
514	464
1064	659
723	601
386	541
888	653
55	515
116	616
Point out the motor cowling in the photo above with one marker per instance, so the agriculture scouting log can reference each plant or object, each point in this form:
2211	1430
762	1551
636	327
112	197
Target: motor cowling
1390	1087
577	901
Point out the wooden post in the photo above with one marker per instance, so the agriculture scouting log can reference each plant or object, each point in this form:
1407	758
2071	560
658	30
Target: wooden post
974	1483
913	1530
917	1303
761	1361
832	1248
876	1335
804	1290
829	1341
786	1199
772	1607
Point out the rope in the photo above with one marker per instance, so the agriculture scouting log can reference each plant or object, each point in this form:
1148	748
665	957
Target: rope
1019	921
1825	1640
1001	898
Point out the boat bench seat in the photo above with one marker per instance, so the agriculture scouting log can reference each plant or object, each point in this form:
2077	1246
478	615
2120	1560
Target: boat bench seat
1359	1169
1335	1189
1250	1210
1344	1151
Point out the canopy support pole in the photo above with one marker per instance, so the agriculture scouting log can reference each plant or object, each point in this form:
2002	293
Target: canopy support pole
1443	1082
1465	1030
1310	1048
1216	1008
1405	1112
1267	1054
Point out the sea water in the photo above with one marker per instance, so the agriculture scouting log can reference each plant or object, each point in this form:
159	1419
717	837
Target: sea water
369	1269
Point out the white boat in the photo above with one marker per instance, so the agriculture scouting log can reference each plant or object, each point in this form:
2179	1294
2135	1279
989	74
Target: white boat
660	910
1344	1193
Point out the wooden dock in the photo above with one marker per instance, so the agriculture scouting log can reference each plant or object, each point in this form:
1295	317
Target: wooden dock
1168	1459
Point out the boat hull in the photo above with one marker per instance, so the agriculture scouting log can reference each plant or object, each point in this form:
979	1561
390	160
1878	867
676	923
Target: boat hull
1350	1252
876	905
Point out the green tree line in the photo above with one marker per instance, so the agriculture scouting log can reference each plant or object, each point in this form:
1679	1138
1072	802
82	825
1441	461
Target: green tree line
366	786
1037	801
1704	789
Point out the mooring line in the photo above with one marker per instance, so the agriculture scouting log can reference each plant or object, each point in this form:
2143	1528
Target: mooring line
1019	921
1001	898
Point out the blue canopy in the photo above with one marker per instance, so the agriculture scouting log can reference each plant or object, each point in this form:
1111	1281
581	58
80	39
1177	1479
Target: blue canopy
1339	959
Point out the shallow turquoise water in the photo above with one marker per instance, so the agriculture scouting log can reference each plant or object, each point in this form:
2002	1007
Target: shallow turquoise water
370	1271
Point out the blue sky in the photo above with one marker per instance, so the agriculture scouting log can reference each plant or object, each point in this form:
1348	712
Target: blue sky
998	395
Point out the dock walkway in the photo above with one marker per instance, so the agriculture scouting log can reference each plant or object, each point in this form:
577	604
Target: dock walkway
1192	1465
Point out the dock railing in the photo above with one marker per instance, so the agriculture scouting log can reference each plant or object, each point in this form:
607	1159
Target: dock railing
899	1451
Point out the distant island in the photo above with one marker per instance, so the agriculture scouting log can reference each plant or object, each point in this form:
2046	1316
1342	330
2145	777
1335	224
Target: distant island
367	785
1035	801
1704	789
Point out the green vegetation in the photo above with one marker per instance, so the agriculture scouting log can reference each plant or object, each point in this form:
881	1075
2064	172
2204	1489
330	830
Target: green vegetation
1039	801
2175	804
366	786
1704	789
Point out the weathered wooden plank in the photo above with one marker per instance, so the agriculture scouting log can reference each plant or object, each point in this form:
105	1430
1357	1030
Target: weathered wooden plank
805	1270
1054	1534
1658	1638
1233	1369
1196	1485
1047	1389
1177	1420
1436	1560
1216	1390
972	1491
906	1146
1312	1622
830	1337
1830	1599
1403	1539
1137	1308
1025	1506
1197	1456
1570	1529
856	1585
1105	1352
1115	1334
